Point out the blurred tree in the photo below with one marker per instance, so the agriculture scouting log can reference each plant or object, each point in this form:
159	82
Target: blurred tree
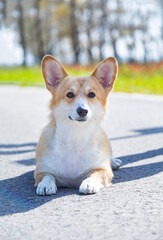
38	24
89	27
38	30
2	11
160	2
60	30
102	27
74	29
115	25
81	29
21	29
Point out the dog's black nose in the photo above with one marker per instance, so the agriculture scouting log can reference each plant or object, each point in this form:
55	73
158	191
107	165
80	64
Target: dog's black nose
82	112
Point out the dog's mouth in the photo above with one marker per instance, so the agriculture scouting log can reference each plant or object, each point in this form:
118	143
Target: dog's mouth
78	119
81	119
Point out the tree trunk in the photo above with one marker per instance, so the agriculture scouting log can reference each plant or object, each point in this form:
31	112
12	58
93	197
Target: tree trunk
3	9
88	31
102	29
22	30
115	49
74	30
145	50
38	30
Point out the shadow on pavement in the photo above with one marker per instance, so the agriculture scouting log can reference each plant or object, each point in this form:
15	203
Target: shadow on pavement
141	132
11	152
17	145
133	173
27	162
136	172
140	156
18	194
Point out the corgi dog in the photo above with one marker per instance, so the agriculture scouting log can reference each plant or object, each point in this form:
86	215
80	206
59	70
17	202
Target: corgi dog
73	149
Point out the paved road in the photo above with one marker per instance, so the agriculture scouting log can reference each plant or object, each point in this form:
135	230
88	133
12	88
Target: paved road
129	209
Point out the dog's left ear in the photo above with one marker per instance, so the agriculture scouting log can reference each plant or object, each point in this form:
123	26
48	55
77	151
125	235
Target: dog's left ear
106	73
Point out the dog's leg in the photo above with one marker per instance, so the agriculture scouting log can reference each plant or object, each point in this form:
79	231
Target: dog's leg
47	186
96	180
115	163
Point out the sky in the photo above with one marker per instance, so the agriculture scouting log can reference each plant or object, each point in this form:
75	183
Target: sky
10	51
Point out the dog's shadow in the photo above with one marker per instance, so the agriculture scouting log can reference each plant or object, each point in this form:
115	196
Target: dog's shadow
18	194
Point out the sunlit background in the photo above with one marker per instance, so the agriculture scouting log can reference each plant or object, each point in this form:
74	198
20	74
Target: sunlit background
81	33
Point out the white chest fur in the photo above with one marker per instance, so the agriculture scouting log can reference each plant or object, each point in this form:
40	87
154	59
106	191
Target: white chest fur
74	152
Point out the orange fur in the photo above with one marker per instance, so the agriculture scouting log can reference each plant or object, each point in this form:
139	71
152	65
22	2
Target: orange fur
80	83
103	175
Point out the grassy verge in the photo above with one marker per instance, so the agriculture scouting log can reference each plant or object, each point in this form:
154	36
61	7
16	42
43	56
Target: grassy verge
132	78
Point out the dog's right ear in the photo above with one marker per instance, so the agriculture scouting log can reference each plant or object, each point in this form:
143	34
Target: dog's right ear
53	72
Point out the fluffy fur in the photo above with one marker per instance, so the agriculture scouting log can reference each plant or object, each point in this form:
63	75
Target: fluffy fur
73	150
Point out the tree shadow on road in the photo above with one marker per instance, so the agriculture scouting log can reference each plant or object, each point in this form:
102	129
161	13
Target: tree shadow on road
9	151
27	162
136	172
18	194
133	173
14	149
140	156
140	132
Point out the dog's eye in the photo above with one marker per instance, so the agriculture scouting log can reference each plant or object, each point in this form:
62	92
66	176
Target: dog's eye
70	95
91	95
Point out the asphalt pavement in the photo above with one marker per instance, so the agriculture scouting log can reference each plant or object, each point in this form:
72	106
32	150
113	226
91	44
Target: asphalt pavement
130	209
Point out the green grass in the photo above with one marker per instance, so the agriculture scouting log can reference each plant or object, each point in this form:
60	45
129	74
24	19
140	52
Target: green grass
147	79
21	76
132	78
31	76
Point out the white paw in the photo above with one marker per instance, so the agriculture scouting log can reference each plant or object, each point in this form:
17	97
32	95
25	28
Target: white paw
89	186
115	163
47	186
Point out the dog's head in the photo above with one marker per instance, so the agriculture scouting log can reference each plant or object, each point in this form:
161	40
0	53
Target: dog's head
79	99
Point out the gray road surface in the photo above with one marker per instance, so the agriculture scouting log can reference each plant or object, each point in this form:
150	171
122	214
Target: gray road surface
129	209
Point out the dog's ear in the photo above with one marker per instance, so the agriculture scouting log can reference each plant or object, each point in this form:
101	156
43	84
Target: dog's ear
106	73
53	72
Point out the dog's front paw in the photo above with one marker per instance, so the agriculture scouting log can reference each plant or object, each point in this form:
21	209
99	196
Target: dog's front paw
115	163
90	186
47	186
